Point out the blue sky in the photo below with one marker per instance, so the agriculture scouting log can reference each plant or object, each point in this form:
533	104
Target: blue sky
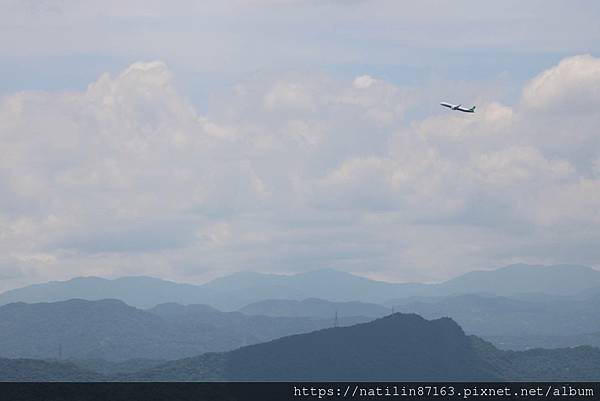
190	140
58	44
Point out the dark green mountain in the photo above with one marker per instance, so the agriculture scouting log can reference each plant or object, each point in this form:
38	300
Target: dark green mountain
399	347
563	364
86	329
32	370
114	368
396	347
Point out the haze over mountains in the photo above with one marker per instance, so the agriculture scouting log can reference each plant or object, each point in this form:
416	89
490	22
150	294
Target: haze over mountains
398	347
519	323
114	331
240	289
314	307
486	315
134	336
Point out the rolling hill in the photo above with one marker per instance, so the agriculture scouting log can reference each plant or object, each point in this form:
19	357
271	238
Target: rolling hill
112	330
398	347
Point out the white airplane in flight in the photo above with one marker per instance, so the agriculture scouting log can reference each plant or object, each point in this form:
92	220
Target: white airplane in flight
457	107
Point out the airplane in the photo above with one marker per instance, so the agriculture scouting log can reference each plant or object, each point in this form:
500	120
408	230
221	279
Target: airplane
457	107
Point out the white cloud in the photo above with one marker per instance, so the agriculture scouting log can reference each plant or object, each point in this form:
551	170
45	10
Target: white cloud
292	172
572	85
518	166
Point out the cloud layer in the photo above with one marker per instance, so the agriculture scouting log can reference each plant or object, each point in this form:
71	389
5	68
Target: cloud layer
293	172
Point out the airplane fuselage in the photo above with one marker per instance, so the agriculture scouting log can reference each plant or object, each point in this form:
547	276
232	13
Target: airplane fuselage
458	107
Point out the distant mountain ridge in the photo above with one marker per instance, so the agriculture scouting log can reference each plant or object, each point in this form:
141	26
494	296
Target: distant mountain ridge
240	289
522	343
112	330
138	291
522	278
314	307
500	316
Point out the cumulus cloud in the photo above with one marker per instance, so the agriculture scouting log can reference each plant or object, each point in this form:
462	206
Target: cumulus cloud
560	104
294	172
572	86
89	172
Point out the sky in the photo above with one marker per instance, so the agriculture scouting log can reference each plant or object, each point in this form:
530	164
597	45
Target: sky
188	140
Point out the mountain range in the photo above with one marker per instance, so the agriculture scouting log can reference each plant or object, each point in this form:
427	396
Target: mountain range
138	325
501	316
518	323
238	290
112	330
398	347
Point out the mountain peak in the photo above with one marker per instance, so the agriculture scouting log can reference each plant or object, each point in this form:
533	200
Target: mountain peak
401	321
395	347
523	278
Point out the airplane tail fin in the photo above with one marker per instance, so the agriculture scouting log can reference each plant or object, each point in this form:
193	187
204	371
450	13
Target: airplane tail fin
472	108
